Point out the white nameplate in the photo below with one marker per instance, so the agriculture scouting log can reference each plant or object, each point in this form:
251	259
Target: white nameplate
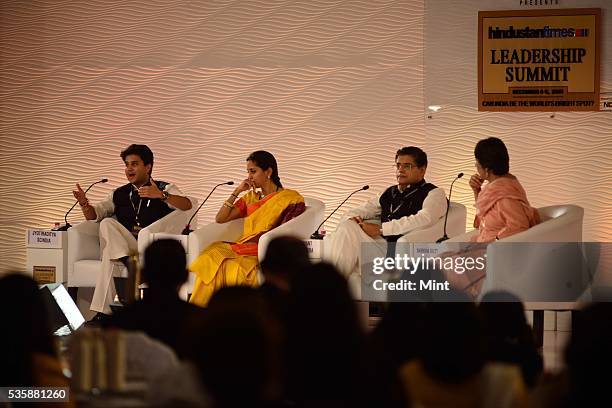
315	248
44	238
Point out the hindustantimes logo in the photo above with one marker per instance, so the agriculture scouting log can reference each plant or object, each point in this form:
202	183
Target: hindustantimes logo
528	32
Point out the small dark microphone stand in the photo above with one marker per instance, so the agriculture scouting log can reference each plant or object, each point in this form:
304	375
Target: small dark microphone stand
317	234
67	224
187	230
450	193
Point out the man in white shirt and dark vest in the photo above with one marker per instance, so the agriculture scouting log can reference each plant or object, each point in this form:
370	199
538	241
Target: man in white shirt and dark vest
134	206
409	205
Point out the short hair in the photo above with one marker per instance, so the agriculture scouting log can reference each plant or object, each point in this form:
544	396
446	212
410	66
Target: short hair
165	264
266	160
419	156
285	256
142	151
492	154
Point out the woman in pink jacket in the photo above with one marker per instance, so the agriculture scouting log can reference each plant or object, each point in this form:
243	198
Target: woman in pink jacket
502	208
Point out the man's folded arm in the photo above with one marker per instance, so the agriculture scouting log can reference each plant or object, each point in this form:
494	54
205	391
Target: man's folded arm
367	211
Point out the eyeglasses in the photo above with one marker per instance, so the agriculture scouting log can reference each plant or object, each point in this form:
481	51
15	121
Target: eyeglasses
404	166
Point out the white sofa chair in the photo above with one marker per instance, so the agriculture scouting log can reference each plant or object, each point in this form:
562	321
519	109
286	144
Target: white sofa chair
546	277
84	257
537	273
559	223
457	214
300	227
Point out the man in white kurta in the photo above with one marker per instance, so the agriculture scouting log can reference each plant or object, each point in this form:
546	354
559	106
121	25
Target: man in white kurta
410	205
123	214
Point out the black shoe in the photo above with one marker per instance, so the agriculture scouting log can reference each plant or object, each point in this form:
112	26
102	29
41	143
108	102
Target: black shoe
98	320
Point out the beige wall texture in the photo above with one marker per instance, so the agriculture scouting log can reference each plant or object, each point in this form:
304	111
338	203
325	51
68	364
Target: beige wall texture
332	88
559	158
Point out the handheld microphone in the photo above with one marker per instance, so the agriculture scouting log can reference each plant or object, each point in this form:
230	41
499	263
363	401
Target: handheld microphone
67	224
317	234
450	193
187	230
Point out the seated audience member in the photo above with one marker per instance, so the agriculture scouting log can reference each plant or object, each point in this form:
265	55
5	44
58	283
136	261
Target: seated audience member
390	344
285	258
409	205
450	370
509	337
28	357
502	208
236	350
226	264
324	341
161	314
589	356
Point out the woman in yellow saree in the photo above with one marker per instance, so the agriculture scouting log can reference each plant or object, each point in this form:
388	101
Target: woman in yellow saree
228	264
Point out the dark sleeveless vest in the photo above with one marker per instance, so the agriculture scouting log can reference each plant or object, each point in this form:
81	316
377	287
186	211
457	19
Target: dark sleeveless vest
395	204
151	209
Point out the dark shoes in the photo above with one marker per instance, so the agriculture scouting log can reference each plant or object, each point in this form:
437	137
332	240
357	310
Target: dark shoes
98	320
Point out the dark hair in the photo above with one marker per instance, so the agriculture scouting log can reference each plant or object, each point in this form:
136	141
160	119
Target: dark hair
165	265
509	337
266	160
462	322
142	151
322	333
492	154
237	316
587	352
285	256
24	313
419	156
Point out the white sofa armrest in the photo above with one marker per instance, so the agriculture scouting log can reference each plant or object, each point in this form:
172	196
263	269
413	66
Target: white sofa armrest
454	226
173	223
206	235
299	227
83	243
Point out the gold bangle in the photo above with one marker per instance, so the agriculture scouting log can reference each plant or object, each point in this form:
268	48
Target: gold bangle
228	205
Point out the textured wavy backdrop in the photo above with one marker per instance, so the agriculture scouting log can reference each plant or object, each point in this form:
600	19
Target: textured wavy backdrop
559	158
332	88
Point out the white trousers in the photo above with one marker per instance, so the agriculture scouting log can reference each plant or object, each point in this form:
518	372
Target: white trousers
115	243
343	250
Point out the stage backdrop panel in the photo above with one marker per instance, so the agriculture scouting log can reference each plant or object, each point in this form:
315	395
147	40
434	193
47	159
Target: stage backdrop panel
560	157
331	88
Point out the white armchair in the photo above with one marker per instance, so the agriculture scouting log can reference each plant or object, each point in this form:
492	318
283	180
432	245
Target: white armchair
300	227
531	271
84	257
457	214
546	277
559	223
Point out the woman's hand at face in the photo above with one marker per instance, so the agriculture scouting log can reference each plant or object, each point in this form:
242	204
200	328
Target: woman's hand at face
476	183
246	185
